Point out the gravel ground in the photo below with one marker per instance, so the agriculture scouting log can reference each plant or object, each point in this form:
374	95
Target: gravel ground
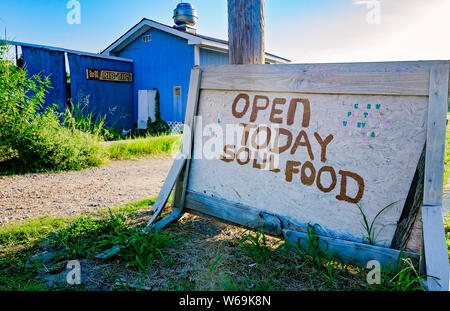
69	193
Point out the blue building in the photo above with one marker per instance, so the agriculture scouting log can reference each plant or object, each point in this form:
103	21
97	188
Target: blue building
163	57
120	83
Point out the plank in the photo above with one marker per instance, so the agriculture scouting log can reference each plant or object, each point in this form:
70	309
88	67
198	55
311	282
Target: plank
188	136
233	212
436	257
411	207
400	66
351	252
373	83
437	118
167	187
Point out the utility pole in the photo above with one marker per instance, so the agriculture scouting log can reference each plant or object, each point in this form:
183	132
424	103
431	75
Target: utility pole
246	31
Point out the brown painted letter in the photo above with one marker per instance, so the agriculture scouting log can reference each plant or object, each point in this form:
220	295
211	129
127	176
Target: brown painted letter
333	179
323	144
255	135
343	195
299	142
291	168
235	102
256	107
246	132
293	108
229	154
308	180
275	111
276	144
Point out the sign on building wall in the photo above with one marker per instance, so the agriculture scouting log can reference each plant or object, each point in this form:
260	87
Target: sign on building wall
108	75
283	147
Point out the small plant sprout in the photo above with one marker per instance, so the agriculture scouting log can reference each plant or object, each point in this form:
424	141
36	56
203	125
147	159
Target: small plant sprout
372	234
256	246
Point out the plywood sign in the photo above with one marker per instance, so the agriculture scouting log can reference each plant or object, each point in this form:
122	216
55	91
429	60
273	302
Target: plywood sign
284	146
311	157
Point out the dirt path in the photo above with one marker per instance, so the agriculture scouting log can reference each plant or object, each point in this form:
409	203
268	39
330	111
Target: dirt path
71	193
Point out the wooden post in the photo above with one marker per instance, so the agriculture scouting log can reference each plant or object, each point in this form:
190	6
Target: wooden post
246	31
436	256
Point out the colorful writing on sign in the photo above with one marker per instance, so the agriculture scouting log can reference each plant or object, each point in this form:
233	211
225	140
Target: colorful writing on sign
108	75
308	173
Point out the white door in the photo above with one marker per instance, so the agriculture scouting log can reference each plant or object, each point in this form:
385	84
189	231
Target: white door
146	107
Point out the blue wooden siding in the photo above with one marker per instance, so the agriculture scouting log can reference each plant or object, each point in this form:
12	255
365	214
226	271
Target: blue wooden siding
48	63
164	62
210	57
113	99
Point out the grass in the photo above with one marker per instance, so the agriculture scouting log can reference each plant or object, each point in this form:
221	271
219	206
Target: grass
117	150
30	230
130	149
256	246
195	254
447	155
372	234
447	234
79	236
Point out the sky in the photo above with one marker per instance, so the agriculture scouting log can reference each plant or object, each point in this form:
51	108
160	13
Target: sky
304	31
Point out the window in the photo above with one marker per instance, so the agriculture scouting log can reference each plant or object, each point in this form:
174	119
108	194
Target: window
177	91
146	38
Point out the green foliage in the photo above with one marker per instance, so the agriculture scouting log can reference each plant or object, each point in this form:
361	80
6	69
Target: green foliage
315	250
84	235
140	247
78	117
447	156
45	145
15	274
447	234
401	276
162	145
38	140
371	237
158	126
248	284
28	231
182	284
256	246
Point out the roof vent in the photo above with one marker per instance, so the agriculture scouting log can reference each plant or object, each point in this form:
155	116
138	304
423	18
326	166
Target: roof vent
185	17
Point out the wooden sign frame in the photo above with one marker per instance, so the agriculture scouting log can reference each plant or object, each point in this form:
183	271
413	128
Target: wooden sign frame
423	78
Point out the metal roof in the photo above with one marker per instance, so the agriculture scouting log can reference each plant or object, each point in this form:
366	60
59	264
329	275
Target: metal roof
58	49
193	38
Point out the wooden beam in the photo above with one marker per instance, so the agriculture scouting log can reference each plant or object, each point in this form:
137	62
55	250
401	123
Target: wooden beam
437	121
358	254
349	251
368	83
411	207
188	137
246	31
236	213
436	257
166	189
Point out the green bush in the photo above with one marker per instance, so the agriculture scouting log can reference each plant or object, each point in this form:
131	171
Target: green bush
45	145
38	140
78	117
